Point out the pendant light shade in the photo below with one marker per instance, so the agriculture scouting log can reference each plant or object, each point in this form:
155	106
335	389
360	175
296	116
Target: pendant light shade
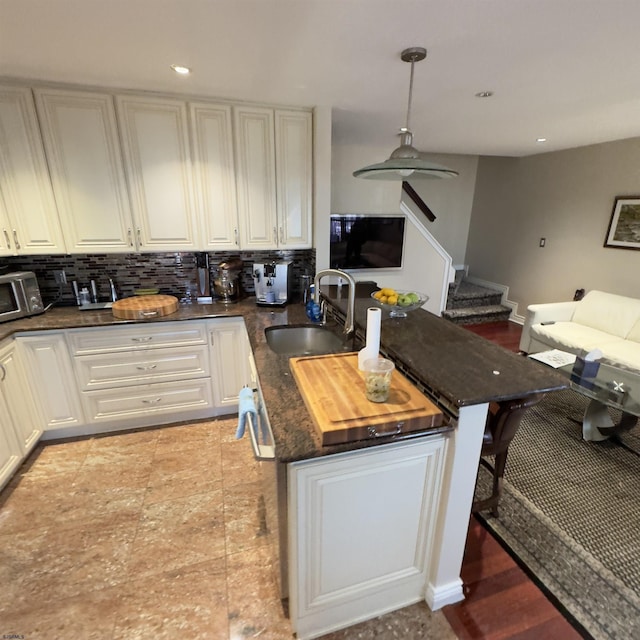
406	160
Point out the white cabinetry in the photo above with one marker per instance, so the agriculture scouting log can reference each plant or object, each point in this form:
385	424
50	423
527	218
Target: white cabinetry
18	397
10	451
294	175
361	532
155	143
214	172
50	371
230	360
81	141
274	151
143	374
29	217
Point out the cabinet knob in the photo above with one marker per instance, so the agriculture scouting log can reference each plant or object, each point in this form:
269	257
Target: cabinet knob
148	367
142	339
139	236
235	236
130	236
4	373
15	239
6	238
152	401
275	234
281	235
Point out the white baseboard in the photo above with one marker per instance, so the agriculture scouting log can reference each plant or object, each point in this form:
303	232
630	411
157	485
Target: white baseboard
438	597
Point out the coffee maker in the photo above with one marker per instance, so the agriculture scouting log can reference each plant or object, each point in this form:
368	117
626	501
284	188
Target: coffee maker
272	282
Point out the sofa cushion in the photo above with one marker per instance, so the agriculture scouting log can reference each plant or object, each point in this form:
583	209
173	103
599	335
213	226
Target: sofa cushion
625	353
571	336
634	334
608	312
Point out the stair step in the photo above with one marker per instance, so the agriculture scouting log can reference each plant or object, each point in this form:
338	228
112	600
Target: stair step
477	315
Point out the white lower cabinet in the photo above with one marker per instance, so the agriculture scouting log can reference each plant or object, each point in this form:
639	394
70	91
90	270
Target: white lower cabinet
18	397
11	454
50	372
230	359
99	379
361	532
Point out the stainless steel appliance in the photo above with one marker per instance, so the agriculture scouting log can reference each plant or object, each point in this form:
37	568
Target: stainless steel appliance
273	476
226	282
19	295
272	282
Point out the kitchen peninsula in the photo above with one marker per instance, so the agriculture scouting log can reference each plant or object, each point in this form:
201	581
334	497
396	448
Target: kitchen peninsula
461	372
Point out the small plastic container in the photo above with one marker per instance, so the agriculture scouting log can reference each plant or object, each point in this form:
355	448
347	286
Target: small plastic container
377	379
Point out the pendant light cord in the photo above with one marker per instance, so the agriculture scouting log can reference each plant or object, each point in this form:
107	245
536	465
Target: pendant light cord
410	96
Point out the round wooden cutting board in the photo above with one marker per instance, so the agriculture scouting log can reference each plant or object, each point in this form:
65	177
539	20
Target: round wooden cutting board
141	307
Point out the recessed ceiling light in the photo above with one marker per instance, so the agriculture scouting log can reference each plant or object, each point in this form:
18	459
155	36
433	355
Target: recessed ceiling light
484	94
541	140
183	71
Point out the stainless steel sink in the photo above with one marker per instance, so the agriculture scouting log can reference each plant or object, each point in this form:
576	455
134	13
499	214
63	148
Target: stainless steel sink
303	340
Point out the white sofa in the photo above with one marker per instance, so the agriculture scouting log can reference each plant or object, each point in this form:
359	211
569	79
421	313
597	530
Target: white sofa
600	320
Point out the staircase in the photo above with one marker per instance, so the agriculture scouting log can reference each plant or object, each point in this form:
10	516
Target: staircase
469	303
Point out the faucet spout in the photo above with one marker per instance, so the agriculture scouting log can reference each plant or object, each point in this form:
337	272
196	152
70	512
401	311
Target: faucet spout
349	324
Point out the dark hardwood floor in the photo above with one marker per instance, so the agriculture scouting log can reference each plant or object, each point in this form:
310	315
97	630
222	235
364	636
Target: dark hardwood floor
501	601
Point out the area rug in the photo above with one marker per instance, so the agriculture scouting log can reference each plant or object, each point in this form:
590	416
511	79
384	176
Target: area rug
569	514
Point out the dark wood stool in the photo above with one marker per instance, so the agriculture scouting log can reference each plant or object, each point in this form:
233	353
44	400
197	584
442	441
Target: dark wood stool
502	423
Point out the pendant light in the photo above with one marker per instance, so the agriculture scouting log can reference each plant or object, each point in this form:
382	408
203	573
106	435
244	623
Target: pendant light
405	161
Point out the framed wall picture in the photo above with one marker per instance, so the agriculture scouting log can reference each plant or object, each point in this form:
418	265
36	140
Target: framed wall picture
624	226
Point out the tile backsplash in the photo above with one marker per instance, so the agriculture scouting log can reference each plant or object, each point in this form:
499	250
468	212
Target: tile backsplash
172	273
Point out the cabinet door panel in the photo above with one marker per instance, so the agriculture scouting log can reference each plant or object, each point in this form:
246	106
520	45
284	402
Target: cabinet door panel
81	140
51	373
230	352
362	531
17	394
157	158
215	174
25	186
254	129
10	450
294	178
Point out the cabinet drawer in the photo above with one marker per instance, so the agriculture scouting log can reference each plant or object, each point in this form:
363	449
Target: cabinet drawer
104	370
138	336
110	405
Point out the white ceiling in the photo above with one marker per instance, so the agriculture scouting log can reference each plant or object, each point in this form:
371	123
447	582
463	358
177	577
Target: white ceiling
567	70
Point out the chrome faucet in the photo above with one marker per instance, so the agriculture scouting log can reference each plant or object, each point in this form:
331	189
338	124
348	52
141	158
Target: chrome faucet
349	323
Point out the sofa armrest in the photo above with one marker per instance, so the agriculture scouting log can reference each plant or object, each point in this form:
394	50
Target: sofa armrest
546	312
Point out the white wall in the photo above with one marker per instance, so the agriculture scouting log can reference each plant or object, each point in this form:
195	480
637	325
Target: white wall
450	200
567	198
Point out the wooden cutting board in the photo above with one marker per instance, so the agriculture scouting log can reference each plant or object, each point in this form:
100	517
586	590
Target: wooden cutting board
141	307
333	390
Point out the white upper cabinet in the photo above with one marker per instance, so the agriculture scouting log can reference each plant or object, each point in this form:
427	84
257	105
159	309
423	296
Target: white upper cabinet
214	172
30	223
294	174
81	141
155	143
274	165
256	177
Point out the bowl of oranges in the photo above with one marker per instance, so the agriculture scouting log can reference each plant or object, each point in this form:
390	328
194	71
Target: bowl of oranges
399	302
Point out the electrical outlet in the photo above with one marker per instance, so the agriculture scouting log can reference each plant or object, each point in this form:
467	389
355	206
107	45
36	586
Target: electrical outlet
60	276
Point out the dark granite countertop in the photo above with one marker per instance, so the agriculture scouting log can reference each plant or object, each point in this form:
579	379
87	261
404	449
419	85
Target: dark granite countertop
458	365
453	361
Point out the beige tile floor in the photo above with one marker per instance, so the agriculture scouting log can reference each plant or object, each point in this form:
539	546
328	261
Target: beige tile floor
152	534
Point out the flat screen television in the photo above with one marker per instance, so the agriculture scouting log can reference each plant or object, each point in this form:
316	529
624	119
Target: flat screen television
366	241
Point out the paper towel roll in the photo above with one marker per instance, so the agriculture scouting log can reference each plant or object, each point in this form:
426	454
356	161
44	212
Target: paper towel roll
372	346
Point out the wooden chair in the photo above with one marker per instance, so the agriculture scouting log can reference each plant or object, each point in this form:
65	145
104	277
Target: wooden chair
502	423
